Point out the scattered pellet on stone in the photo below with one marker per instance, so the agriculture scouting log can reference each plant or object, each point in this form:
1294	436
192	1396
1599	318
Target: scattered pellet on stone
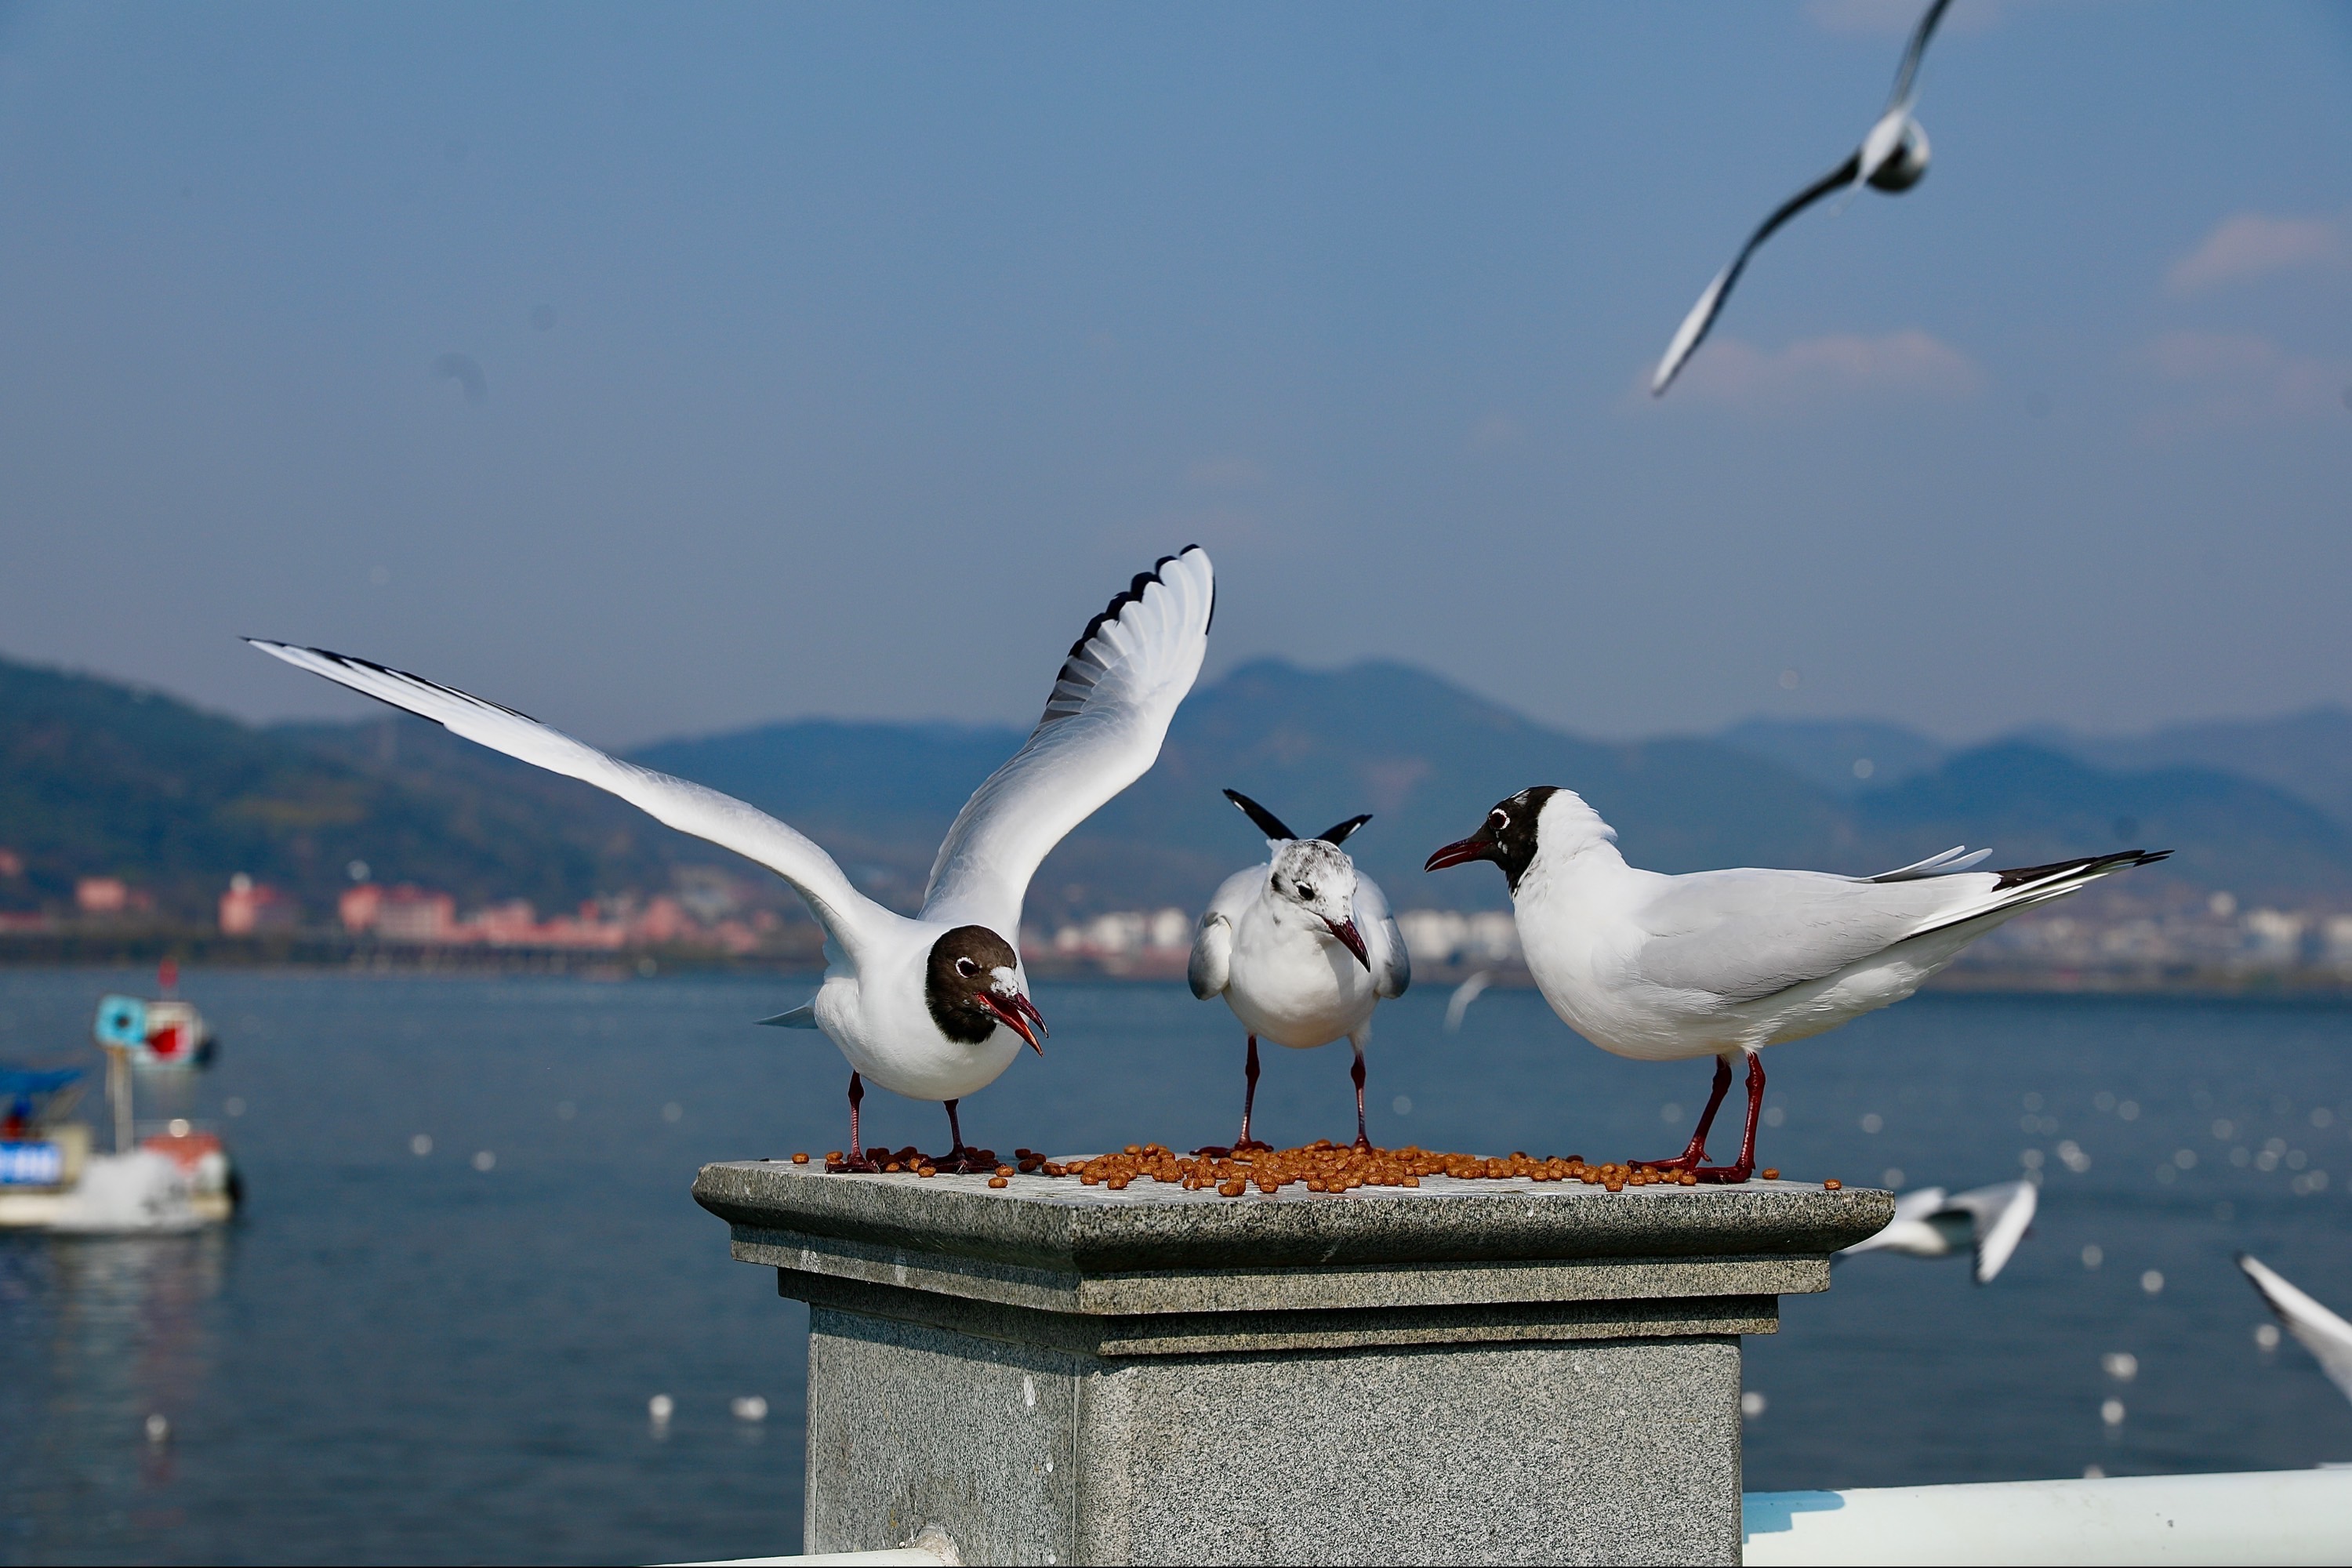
800	1158
998	1181
1832	1184
1771	1173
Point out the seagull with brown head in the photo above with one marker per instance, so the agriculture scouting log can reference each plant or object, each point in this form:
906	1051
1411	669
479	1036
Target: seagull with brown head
932	1005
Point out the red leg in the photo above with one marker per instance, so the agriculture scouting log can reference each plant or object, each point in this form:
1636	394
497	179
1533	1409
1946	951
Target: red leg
961	1160
1694	1153
1358	1074
1249	1104
1745	1166
854	1157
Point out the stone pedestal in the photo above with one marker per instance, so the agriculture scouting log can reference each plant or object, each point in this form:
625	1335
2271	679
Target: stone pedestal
1466	1372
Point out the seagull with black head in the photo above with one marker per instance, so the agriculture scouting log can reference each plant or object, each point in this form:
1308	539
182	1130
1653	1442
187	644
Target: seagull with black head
935	1006
1724	963
1301	947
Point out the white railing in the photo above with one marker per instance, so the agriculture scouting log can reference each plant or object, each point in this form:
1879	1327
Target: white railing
2262	1517
2258	1517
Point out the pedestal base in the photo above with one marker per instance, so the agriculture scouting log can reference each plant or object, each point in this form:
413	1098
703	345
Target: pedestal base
1467	1372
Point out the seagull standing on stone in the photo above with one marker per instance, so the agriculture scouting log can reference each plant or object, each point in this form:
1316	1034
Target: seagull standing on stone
1302	948
1988	1222
2319	1331
935	1006
1723	963
1892	158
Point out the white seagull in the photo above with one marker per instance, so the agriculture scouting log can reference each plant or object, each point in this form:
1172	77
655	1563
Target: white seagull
1723	963
1989	1222
1302	948
935	1006
1892	158
2321	1331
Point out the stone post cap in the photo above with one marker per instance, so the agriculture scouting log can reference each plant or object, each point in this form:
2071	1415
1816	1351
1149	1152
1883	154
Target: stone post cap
1054	1244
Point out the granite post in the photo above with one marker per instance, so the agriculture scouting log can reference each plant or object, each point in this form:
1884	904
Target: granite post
1465	1371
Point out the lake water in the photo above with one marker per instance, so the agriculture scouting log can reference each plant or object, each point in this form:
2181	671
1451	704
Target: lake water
397	1357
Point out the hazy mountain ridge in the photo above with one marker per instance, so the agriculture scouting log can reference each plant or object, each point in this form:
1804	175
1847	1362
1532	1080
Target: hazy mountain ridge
96	778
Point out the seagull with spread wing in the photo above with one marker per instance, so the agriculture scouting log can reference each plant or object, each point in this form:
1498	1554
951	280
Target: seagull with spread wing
1301	947
1987	1221
1892	158
935	1006
1724	963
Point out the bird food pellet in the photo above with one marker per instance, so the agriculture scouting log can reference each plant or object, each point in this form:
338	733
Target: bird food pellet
800	1158
998	1181
1832	1184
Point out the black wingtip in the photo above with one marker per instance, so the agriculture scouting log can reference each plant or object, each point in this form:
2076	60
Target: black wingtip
1268	823
2089	866
1338	833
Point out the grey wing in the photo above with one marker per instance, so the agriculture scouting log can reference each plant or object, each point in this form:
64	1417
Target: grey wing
2002	1214
2319	1331
1741	936
1101	731
1701	319
846	914
1914	1204
1391	965
1212	943
1906	75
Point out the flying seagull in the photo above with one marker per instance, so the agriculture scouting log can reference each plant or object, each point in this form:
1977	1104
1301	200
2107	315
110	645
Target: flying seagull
1301	947
933	1007
1892	158
2321	1331
1723	963
1989	1223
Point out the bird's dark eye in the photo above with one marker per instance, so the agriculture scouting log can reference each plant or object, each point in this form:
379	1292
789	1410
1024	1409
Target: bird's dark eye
1502	818
1305	891
966	966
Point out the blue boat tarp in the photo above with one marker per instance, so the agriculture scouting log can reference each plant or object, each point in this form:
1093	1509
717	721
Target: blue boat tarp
15	1080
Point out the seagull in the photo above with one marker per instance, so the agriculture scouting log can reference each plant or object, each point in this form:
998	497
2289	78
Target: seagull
1302	948
1457	1007
933	1007
1723	963
1892	158
1989	1221
2323	1333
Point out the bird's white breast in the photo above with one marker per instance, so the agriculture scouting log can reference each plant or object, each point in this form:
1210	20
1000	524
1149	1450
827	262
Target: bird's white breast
1292	985
880	1019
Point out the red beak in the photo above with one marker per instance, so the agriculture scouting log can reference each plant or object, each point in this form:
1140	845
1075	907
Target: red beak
1479	846
1016	1014
1352	940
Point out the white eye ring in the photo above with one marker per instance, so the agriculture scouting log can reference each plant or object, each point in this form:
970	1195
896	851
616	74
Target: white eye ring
1502	818
966	966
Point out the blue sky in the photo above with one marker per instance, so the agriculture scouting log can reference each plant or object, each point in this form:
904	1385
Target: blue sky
843	360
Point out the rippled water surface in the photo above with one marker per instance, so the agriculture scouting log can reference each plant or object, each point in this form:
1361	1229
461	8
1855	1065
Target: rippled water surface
412	1357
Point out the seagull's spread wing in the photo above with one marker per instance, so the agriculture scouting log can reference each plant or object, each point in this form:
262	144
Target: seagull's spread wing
1212	944
2319	1331
1392	967
1102	729
2002	1214
1742	935
1906	75
1909	1209
846	913
1694	329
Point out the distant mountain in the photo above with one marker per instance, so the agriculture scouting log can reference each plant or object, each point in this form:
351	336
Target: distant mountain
98	778
2307	754
1844	756
2035	806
